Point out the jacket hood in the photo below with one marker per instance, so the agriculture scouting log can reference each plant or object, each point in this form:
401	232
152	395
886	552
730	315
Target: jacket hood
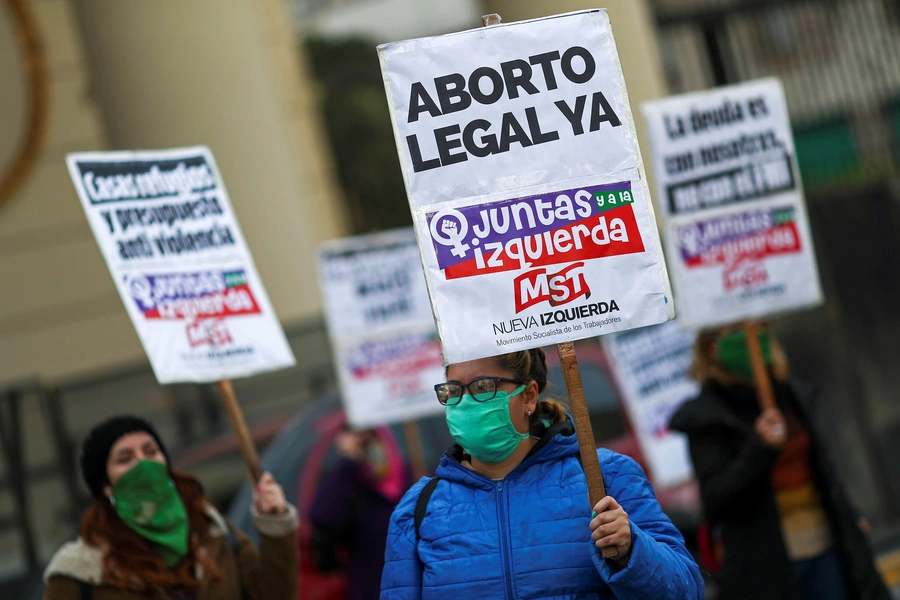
554	442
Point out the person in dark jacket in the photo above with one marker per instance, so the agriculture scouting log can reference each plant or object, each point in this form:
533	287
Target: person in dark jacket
354	502
786	527
508	515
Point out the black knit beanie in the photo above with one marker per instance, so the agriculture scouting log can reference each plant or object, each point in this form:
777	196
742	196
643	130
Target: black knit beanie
96	446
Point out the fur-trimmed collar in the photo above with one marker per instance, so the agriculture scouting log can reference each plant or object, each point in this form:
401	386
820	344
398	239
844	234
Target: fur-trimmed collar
77	560
83	562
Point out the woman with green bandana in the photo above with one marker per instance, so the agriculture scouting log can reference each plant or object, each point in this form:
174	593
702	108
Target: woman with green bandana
151	532
785	528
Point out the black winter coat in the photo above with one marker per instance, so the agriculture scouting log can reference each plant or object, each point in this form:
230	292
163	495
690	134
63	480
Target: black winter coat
734	468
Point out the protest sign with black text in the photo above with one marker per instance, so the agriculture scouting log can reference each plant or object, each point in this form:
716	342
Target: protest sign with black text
386	348
651	366
526	184
737	234
173	246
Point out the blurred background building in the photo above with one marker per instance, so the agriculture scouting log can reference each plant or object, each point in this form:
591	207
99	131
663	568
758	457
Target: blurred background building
289	97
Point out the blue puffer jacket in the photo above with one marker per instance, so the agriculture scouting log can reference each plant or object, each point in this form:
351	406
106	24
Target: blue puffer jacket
528	536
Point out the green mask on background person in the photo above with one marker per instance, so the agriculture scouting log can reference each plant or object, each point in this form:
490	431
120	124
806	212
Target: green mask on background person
734	353
485	429
147	501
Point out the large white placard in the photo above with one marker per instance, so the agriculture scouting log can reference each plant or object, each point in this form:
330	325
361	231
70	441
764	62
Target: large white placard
386	348
651	367
526	184
175	251
737	234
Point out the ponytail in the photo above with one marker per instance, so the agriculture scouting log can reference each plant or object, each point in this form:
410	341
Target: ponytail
531	365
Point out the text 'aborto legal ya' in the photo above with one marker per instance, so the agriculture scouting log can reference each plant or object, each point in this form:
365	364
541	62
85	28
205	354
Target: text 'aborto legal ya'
486	85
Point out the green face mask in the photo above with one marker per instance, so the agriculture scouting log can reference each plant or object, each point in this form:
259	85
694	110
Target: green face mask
734	354
146	499
485	429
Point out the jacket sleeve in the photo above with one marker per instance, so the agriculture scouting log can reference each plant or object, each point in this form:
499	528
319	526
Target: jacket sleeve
821	452
402	575
730	486
660	567
62	588
270	572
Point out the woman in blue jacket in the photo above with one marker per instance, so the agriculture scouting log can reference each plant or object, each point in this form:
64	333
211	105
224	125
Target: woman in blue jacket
507	515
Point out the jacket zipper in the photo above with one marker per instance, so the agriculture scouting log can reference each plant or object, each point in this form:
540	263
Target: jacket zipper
504	542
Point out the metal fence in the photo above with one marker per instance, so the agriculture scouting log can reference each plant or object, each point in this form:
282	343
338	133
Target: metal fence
839	62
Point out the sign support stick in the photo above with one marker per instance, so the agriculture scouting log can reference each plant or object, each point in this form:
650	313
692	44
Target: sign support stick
414	447
575	390
586	445
760	375
236	416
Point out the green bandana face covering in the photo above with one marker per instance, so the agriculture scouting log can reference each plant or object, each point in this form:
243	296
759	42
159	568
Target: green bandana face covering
146	499
734	354
485	429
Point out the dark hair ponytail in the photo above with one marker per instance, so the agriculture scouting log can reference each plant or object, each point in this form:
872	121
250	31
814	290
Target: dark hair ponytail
531	365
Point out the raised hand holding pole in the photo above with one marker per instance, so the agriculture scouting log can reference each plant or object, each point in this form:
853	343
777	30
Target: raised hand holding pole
586	445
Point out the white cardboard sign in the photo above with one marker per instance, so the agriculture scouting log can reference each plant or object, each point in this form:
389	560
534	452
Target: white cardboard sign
737	233
173	246
651	367
526	185
386	348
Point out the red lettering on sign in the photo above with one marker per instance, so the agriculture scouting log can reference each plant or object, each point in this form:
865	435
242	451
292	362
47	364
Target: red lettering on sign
562	287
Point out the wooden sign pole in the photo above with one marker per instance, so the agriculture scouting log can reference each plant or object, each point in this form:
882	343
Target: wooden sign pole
236	416
414	447
760	374
575	390
586	445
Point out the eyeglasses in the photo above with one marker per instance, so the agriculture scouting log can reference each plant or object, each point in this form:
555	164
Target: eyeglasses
481	389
